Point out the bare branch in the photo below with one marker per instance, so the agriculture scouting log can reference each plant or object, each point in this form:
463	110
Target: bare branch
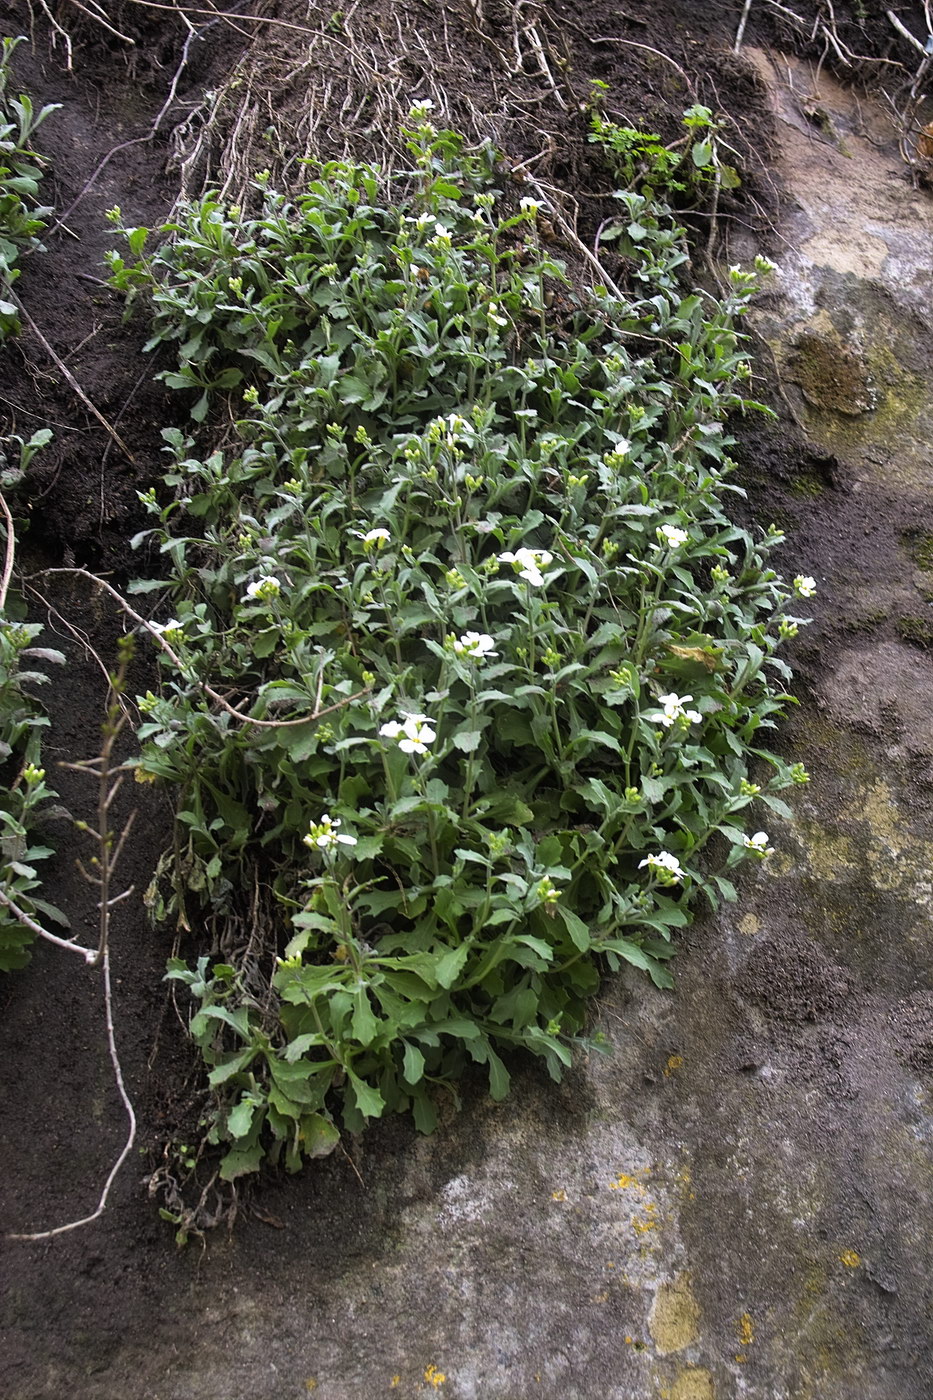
67	375
202	685
131	1134
9	552
88	954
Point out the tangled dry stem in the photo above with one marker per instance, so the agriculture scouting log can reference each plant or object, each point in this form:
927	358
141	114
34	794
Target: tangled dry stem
108	848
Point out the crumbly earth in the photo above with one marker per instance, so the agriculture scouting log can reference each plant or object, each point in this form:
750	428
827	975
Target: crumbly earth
732	1202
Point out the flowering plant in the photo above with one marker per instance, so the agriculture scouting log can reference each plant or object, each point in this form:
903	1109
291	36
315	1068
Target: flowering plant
533	698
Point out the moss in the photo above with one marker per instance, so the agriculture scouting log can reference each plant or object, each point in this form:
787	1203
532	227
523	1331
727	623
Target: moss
916	630
920	548
832	376
900	404
808	485
867	621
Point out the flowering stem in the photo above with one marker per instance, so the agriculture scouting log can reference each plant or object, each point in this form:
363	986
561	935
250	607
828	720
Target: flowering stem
645	618
390	786
390	624
468	780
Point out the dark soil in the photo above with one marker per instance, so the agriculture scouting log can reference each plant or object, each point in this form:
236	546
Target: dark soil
70	1303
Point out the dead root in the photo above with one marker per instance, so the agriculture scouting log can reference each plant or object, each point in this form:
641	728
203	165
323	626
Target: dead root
317	85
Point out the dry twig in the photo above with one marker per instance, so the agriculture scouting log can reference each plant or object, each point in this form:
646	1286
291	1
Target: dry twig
105	862
206	689
66	374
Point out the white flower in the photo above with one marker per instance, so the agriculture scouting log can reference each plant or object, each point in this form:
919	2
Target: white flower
758	844
671	536
804	585
528	563
674	710
413	734
324	835
447	430
531	206
492	315
476	645
617	456
262	589
424	104
374	538
171	629
665	866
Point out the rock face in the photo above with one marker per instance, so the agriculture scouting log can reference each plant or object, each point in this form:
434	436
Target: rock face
735	1201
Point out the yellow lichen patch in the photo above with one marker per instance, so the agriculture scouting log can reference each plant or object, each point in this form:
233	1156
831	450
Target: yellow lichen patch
675	1316
750	924
876	806
674	1063
624	1182
695	1383
558	1195
310	1384
433	1376
601	1297
895	857
395	1382
746	1330
830	857
641	1227
850	1258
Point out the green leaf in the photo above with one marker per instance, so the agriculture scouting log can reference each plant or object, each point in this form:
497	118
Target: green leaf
236	1065
578	930
317	1135
468	740
499	1080
423	1111
413	1065
368	1100
240	1161
365	1026
238	1019
449	966
240	1118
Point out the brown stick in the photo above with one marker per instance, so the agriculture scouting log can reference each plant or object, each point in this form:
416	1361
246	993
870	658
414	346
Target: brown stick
21	917
73	383
176	660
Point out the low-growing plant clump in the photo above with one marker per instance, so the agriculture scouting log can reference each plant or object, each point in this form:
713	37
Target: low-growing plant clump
22	218
22	722
464	664
25	793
